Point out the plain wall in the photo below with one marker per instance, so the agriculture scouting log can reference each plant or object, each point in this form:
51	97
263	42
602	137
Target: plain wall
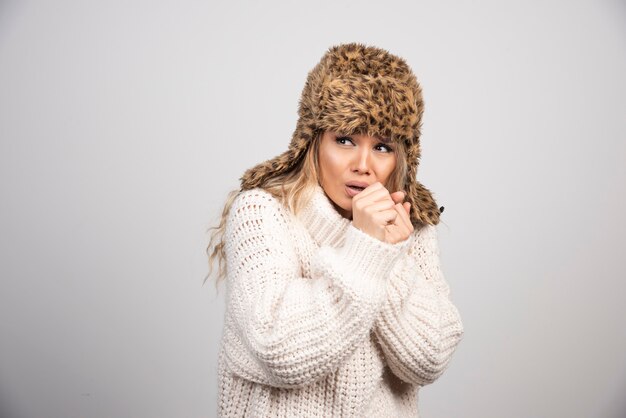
123	125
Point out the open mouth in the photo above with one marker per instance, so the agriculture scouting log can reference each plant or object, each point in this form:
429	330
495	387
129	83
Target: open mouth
357	188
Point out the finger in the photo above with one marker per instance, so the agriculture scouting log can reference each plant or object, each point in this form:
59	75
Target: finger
398	196
379	205
381	195
407	207
368	190
375	196
385	217
392	235
403	222
395	233
404	217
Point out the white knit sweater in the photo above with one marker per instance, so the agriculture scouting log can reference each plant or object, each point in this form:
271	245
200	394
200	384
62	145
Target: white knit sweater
323	320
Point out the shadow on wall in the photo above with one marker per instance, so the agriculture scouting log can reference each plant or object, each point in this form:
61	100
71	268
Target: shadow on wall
6	410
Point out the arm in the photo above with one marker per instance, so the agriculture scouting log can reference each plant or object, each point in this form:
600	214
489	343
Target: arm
418	327
285	330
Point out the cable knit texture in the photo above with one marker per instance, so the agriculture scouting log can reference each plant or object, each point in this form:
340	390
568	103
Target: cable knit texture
323	320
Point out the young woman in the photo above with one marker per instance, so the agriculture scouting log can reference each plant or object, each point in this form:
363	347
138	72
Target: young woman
336	301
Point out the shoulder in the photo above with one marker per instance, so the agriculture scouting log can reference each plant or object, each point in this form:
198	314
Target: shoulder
426	231
257	204
256	196
424	239
257	222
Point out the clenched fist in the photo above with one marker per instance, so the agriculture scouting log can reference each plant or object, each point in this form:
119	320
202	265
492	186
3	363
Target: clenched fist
381	214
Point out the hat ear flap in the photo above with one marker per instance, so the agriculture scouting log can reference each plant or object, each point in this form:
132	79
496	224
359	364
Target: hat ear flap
302	137
424	209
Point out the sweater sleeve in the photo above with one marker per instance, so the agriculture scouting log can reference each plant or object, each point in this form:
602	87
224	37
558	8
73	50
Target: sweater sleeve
418	326
285	330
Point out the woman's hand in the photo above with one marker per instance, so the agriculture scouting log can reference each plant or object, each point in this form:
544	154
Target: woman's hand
402	228
382	215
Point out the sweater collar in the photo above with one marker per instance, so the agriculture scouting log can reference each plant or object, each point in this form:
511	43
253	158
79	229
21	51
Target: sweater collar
321	219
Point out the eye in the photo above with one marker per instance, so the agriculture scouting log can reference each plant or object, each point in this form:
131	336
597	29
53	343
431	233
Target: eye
342	140
385	148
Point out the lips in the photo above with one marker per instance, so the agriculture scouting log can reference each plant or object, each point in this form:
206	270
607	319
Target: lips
357	184
355	187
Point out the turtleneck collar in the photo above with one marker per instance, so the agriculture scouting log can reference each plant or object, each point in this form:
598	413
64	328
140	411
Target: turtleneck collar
321	219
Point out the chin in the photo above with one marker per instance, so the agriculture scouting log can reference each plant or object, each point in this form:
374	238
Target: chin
346	208
343	205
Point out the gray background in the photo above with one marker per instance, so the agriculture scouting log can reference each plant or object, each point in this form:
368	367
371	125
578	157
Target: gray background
123	125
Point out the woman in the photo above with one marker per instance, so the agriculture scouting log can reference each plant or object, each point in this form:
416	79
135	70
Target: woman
336	303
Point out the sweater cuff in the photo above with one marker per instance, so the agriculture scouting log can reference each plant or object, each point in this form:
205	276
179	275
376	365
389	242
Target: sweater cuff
368	260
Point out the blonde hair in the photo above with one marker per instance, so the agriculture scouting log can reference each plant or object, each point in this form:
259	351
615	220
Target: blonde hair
294	189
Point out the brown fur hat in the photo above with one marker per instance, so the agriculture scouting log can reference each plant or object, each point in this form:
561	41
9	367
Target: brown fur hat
359	89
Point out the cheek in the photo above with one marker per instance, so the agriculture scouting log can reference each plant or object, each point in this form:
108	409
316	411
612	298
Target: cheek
386	169
330	165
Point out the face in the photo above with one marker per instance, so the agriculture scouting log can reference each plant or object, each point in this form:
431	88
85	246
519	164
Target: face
349	163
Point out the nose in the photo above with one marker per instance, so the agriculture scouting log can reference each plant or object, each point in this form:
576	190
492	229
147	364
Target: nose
362	163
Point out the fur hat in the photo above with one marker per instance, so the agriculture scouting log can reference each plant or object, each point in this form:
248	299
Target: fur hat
359	89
